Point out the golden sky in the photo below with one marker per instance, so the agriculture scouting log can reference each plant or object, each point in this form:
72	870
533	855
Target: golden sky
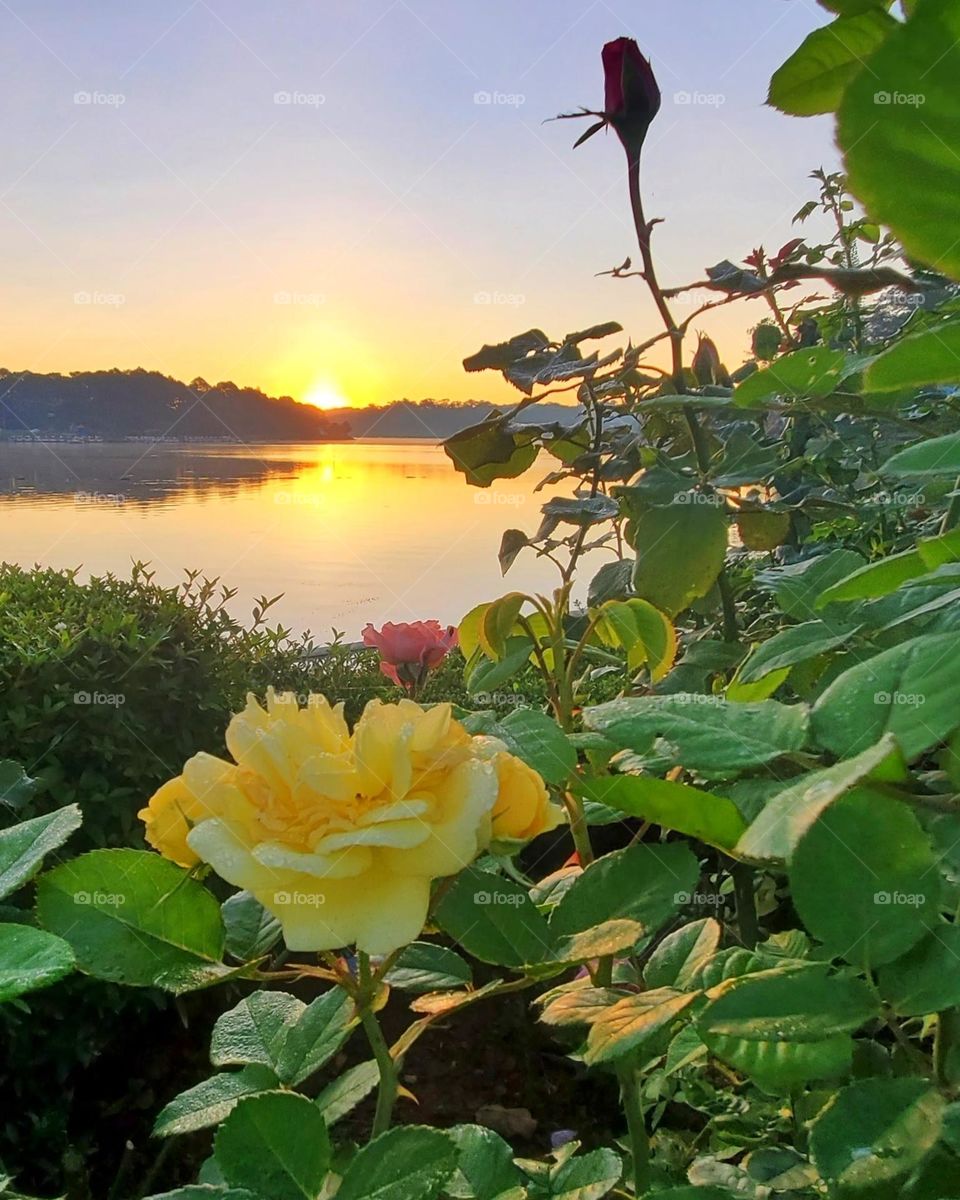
334	199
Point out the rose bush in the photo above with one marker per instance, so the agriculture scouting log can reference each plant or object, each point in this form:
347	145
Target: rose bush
765	961
340	834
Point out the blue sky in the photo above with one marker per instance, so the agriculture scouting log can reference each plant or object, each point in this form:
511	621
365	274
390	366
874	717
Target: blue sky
364	236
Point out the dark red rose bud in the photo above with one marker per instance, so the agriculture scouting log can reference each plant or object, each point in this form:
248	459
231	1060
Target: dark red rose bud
631	96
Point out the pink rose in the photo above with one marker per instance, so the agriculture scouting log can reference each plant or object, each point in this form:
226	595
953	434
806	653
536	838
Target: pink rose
409	651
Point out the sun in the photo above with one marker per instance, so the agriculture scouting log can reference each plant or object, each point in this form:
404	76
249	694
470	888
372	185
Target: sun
325	395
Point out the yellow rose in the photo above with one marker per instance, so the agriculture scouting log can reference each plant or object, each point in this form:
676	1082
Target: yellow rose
523	808
339	836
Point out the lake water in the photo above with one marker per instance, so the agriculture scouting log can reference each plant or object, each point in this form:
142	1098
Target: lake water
350	532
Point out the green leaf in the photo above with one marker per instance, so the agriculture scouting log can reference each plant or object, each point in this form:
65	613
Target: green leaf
750	693
643	883
688	810
586	1176
541	743
613	581
16	786
570	442
644	632
23	846
31	959
815	372
485	1167
931	356
498	622
322	1028
787	816
925	979
798	586
210	1102
940	551
488	451
681	955
598	941
874	1132
680	552
911	691
276	1145
875	579
864	879
744	460
684	1050
347	1090
483	675
704	733
582	511
814	78
935	456
256	1030
409	1163
251	931
897	127
505	354
787	1026
622	1027
763	529
133	917
495	920
790	646
511	543
426	967
575	1003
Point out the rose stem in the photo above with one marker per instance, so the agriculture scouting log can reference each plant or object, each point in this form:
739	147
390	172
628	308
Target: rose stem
389	1080
675	333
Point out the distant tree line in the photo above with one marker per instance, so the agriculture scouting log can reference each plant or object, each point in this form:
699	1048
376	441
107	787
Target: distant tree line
431	418
121	404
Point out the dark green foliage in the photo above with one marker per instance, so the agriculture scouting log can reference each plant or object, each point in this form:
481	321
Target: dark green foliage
109	686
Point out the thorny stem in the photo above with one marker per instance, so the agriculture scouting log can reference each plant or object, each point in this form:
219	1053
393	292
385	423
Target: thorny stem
850	257
541	663
781	321
675	333
597	411
650	272
579	829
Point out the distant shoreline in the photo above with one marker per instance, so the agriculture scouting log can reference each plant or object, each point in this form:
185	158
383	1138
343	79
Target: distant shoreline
174	443
55	439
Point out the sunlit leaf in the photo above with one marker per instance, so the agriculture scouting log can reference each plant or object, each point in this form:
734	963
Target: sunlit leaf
874	1133
787	1026
932	356
815	77
678	806
815	372
680	552
897	128
135	918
